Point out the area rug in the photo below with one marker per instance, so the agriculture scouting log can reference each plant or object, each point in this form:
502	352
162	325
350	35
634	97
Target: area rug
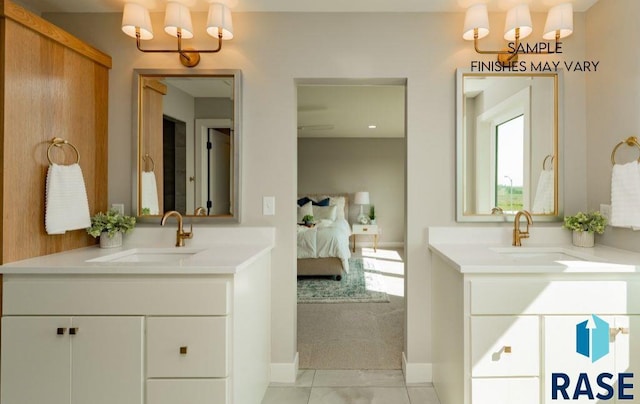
360	285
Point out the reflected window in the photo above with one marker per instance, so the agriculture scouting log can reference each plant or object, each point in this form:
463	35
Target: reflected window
510	164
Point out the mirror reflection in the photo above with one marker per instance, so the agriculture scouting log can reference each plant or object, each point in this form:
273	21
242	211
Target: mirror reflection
507	146
188	144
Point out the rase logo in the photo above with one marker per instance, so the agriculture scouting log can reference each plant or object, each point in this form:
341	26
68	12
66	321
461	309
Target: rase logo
592	341
592	338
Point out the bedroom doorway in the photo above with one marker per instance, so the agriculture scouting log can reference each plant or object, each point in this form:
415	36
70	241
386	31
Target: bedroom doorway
351	139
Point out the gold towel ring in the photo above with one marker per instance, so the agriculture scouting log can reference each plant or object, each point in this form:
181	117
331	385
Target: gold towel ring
153	164
630	141
544	162
59	142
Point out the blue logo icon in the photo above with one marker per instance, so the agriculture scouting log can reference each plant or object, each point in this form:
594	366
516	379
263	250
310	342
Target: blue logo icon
592	338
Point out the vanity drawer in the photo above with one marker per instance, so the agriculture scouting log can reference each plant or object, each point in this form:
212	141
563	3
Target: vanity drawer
505	346
190	391
187	347
505	391
119	295
530	296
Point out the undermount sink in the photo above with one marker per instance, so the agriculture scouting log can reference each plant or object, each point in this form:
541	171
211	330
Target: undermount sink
542	253
172	254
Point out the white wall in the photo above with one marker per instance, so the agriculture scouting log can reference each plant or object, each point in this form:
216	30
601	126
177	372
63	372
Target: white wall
333	165
274	49
613	102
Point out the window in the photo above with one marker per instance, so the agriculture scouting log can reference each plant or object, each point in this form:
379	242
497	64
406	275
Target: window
510	164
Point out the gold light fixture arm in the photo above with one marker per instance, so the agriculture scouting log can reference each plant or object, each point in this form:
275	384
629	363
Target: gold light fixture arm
512	55
188	57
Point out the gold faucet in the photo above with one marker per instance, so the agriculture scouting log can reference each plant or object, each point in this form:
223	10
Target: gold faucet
517	233
200	211
181	235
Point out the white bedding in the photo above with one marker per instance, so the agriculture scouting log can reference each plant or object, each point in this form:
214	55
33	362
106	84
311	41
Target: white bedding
326	239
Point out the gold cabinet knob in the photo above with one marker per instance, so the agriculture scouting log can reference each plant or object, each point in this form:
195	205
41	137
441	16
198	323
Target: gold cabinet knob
506	349
61	331
183	350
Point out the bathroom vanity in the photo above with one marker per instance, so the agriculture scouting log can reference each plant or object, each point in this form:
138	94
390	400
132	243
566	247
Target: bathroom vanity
507	320
145	323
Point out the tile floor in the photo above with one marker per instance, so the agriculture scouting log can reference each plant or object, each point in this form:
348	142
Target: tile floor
350	387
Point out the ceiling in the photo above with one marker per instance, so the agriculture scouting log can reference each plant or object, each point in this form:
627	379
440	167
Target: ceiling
326	110
105	6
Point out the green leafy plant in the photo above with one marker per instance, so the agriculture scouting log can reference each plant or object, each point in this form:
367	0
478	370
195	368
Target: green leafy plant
111	222
372	212
307	219
592	222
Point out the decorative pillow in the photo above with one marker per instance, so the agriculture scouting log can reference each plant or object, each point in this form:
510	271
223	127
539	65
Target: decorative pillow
324	202
324	212
303	201
339	201
304	210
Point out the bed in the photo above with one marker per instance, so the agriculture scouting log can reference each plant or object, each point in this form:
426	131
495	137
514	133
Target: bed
323	249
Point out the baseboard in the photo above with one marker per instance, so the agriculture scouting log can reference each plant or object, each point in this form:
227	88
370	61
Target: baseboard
285	372
416	372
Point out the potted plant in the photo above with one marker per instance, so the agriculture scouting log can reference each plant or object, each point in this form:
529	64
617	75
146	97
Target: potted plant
584	226
307	220
110	226
372	214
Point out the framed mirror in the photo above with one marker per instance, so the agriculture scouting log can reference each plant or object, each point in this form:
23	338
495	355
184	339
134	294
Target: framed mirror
507	146
187	148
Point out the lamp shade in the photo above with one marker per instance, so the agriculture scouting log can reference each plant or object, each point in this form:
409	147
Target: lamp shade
135	15
361	198
219	17
560	18
178	16
476	17
518	17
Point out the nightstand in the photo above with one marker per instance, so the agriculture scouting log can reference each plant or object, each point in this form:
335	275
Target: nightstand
367	230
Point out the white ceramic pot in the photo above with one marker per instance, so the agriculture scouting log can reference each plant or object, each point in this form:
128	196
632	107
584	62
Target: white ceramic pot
110	242
583	239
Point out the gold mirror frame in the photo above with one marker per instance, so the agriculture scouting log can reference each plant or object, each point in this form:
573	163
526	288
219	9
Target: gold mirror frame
140	160
462	164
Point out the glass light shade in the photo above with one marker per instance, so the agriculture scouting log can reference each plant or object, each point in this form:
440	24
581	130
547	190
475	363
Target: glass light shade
219	17
178	16
560	18
476	17
135	15
518	17
361	198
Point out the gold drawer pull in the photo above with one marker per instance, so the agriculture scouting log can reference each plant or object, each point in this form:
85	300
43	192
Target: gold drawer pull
365	229
61	331
183	350
506	349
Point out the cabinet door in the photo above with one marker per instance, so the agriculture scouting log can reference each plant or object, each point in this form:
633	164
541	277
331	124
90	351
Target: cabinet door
107	364
35	360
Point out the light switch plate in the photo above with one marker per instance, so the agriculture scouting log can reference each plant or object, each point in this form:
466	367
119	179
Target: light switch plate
268	205
606	211
119	207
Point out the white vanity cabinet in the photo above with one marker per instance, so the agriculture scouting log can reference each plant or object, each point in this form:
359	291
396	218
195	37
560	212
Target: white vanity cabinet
500	337
137	336
62	360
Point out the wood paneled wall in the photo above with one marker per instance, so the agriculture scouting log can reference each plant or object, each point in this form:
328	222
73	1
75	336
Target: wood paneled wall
52	85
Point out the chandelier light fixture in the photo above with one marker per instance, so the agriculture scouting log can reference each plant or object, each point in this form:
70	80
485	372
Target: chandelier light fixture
136	22
518	26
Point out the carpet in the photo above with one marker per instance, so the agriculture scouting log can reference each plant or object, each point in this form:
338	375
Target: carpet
360	285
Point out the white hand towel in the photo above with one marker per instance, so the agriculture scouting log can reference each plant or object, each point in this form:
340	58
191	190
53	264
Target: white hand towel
150	192
67	207
543	202
625	195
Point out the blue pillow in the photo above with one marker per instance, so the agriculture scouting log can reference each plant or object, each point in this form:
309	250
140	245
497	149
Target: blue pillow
324	202
303	201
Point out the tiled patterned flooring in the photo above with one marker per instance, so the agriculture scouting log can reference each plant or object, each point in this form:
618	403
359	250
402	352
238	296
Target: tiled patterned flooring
350	387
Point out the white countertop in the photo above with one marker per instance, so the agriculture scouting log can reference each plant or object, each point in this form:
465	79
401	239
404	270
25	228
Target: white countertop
211	256
487	250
